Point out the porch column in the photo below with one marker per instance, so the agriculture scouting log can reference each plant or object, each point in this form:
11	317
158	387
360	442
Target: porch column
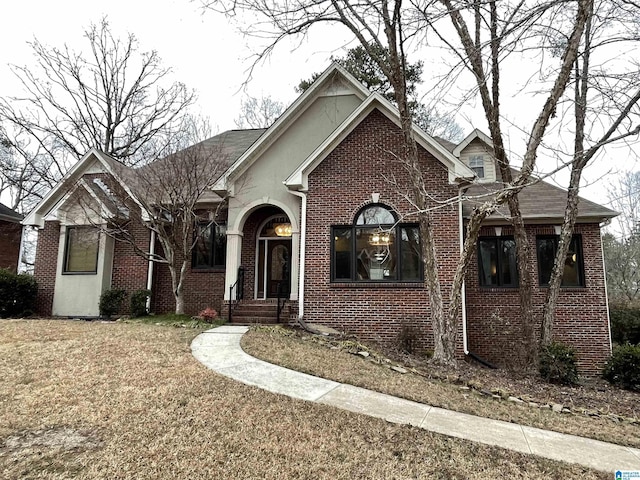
295	264
234	251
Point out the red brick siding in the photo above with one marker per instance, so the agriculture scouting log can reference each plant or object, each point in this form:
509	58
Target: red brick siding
338	188
10	235
46	266
493	314
202	288
129	270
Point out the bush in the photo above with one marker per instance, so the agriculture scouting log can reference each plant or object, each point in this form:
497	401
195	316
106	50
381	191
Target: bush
17	294
558	364
111	301
625	325
623	367
208	315
139	303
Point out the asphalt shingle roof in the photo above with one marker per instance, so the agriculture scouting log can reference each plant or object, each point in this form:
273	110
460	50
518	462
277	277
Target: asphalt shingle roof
9	215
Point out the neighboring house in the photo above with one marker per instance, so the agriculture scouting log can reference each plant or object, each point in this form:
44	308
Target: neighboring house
315	207
10	238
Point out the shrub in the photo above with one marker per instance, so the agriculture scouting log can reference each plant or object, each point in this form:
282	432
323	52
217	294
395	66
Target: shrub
623	367
625	325
558	364
17	294
139	303
208	315
111	301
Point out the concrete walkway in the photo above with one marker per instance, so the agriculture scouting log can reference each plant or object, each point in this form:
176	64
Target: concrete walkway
219	349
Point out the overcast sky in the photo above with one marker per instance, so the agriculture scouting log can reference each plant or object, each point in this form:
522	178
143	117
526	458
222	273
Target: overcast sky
207	53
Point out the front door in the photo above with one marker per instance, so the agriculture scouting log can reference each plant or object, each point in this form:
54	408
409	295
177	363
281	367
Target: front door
278	268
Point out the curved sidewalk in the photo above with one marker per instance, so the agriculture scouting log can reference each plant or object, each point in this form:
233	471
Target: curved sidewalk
219	349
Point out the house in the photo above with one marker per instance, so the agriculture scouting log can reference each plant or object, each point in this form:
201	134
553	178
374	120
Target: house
10	238
315	209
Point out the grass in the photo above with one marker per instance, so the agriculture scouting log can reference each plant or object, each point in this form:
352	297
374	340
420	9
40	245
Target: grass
176	320
304	353
112	400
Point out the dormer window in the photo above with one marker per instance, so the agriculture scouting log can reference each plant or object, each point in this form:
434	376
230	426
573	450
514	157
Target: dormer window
476	163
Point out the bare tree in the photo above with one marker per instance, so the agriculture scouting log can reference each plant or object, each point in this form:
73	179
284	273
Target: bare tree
113	98
169	196
384	24
614	109
258	112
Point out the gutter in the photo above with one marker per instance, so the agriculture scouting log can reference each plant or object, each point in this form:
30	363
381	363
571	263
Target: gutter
465	343
152	251
303	242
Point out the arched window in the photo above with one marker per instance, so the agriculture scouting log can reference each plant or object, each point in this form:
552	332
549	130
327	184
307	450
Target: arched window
376	248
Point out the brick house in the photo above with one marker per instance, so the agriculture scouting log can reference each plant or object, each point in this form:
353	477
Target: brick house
314	208
10	238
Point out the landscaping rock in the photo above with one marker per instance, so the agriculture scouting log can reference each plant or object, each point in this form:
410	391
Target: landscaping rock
515	400
566	410
545	407
464	388
557	407
496	397
363	354
533	404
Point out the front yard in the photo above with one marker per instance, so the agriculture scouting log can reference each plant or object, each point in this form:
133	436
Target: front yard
113	400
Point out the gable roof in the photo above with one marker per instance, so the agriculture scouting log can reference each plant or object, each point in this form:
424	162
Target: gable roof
479	134
9	215
59	193
335	74
298	180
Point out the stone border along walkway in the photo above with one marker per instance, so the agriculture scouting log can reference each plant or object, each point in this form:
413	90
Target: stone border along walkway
219	349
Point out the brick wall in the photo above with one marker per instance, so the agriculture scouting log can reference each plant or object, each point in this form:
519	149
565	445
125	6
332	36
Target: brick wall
338	188
10	235
202	287
493	314
129	270
46	266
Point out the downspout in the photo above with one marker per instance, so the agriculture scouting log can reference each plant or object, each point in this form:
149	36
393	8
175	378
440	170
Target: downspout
152	251
465	344
21	249
303	242
606	293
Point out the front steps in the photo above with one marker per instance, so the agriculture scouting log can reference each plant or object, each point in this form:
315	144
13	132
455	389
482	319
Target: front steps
258	311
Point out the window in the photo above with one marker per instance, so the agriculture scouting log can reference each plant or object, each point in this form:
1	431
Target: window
476	163
211	246
573	265
497	262
376	249
81	250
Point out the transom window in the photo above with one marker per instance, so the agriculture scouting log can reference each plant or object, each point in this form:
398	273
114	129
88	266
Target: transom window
497	264
210	246
81	250
573	274
476	163
376	248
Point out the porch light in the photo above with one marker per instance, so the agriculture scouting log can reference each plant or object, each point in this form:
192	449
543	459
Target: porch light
283	229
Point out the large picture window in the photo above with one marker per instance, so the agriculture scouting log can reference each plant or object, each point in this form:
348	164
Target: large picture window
81	250
497	262
376	249
573	274
211	246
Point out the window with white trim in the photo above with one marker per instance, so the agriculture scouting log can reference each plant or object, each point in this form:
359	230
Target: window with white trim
476	163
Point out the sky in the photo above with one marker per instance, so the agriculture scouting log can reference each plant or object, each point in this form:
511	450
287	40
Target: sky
208	53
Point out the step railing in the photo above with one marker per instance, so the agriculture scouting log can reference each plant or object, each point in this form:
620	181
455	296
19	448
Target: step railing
283	296
236	292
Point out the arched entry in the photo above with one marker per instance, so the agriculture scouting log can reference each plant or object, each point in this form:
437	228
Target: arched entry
273	258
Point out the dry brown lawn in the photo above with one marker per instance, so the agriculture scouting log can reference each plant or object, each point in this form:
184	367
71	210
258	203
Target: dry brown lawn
128	401
300	351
